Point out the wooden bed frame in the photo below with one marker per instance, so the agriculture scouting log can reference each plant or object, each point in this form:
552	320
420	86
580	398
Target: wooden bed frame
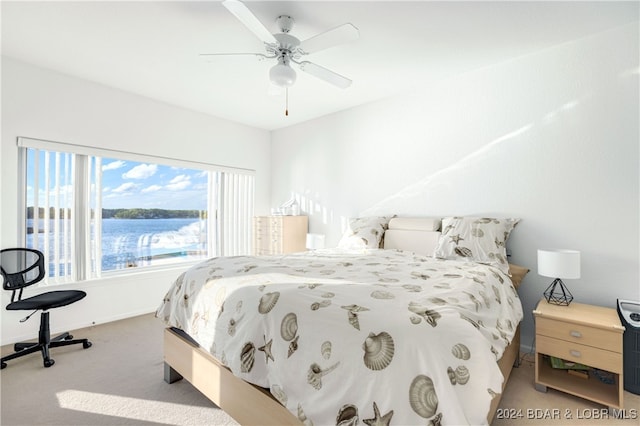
252	405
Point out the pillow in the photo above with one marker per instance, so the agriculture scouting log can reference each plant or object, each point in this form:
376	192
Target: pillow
480	239
364	232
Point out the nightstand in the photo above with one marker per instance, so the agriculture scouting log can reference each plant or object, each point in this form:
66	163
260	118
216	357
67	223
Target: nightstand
585	334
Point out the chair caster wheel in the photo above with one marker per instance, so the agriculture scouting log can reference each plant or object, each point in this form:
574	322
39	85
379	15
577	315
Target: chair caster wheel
3	366
86	345
69	337
48	363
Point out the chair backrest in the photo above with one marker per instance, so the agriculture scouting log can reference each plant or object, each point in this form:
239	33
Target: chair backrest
21	267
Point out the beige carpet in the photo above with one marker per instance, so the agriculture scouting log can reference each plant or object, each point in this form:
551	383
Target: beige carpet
119	381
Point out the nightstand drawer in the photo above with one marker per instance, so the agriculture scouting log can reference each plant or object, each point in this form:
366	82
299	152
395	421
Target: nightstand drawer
583	354
581	334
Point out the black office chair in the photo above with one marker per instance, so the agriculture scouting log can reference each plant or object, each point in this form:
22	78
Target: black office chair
21	268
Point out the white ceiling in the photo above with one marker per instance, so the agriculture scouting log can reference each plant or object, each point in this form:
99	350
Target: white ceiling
151	48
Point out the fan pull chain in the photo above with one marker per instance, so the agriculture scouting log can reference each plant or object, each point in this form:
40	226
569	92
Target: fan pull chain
286	109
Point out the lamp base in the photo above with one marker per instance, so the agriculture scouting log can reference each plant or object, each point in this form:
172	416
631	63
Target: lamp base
558	294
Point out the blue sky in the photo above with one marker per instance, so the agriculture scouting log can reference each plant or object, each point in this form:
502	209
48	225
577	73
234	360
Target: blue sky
126	184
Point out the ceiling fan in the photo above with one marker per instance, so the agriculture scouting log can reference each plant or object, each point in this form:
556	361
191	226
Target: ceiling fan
287	49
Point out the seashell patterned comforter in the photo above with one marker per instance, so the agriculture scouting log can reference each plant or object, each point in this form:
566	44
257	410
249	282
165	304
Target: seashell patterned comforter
380	337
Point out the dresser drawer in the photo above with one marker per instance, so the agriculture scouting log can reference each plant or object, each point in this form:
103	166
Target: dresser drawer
267	240
583	354
273	245
264	233
268	221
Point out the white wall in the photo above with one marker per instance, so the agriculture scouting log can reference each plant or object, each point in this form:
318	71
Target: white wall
42	104
551	138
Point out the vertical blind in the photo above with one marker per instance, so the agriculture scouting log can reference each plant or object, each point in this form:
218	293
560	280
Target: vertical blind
56	236
235	207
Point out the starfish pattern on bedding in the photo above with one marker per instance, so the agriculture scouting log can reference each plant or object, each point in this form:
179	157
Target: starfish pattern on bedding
456	238
267	350
377	420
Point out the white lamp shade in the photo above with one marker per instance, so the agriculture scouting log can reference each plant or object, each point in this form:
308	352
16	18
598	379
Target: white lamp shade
315	241
559	263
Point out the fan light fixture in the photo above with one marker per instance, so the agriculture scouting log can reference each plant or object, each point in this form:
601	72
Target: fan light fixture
282	74
286	48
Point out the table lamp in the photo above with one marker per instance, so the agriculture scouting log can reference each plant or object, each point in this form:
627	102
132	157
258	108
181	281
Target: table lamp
559	264
315	241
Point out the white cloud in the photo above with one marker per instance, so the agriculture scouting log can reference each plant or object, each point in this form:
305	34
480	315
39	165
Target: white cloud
113	165
178	183
125	187
152	188
180	178
141	171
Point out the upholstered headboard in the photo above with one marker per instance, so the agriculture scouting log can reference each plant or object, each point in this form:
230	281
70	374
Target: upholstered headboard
417	234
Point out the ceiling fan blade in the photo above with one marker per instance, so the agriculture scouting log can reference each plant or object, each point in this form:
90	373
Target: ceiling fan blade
244	15
325	74
339	35
261	57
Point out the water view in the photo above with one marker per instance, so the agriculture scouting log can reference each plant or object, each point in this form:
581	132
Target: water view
139	242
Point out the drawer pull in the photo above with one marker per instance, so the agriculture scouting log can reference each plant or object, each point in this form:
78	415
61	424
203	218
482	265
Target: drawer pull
575	353
575	333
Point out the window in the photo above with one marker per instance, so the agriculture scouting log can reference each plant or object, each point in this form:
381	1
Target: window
94	212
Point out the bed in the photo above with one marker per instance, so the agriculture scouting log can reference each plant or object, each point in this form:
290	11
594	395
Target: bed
407	321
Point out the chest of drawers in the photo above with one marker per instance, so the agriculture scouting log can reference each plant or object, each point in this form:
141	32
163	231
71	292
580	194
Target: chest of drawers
585	334
279	234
